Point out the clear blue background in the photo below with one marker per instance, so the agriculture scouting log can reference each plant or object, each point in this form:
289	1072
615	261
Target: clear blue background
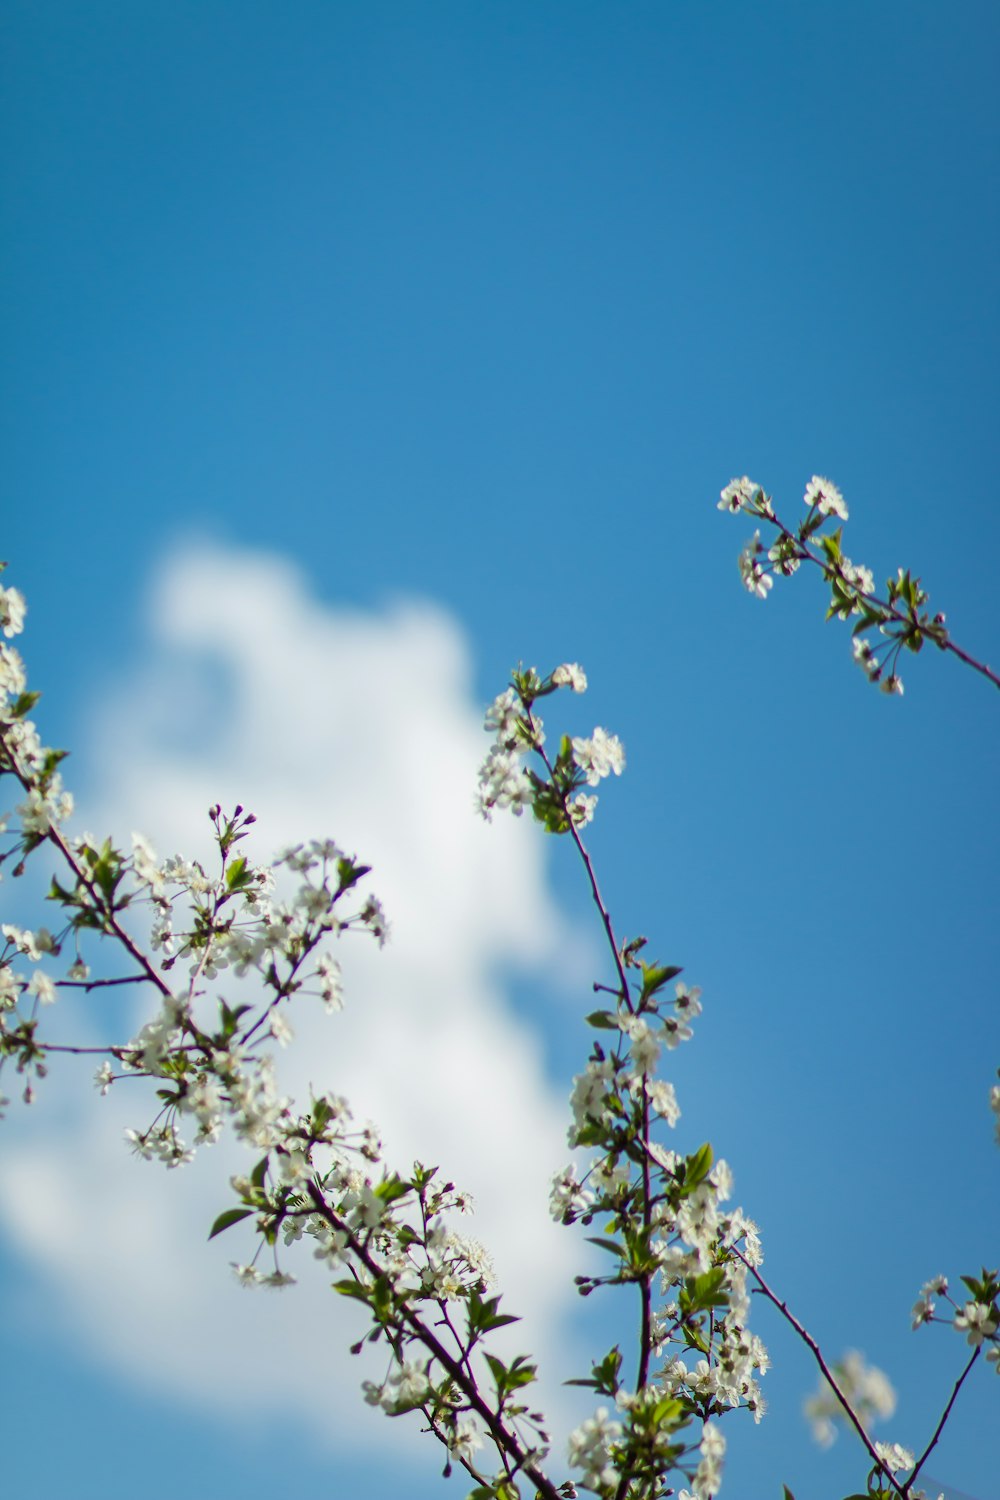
486	302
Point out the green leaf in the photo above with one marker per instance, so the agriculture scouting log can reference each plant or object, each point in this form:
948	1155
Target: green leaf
521	1373
349	872
786	1493
227	1219
602	1020
23	704
351	1289
483	1314
391	1188
612	1245
697	1167
655	976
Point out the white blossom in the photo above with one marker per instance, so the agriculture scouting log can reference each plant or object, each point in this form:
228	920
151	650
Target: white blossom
12	611
825	497
570	675
599	756
740	494
895	1457
755	580
590	1449
976	1321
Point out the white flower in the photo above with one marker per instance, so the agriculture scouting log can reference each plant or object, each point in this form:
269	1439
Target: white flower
892	684
246	1275
503	715
976	1320
826	497
867	1389
281	1029
755	580
147	872
590	1449
12	611
713	1444
23	940
409	1385
687	1002
40	812
740	494
570	675
103	1077
859	577
582	809
503	782
599	756
721	1178
895	1456
466	1438
865	657
328	970
708	1475
10	987
13	679
668	1160
568	1195
140	1144
375	920
923	1308
663	1100
676	1030
41	985
645	1046
278	1279
740	1227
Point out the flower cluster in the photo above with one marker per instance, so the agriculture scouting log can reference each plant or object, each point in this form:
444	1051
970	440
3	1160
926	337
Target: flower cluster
978	1318
506	781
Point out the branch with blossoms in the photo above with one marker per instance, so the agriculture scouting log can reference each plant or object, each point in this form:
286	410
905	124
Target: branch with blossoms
899	616
226	963
686	1249
264	933
210	1058
660	1213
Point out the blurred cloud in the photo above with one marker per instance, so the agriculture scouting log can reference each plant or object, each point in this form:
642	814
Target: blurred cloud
363	727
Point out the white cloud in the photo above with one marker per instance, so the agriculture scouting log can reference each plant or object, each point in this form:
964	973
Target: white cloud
361	726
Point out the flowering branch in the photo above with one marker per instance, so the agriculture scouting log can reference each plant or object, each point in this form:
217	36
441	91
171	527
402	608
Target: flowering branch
427	1288
665	1225
899	616
458	1370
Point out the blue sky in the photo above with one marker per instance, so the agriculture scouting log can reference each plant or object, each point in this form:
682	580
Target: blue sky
464	314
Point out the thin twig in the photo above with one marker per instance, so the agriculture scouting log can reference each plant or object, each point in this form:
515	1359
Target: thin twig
595	889
945	1414
900	617
831	1379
